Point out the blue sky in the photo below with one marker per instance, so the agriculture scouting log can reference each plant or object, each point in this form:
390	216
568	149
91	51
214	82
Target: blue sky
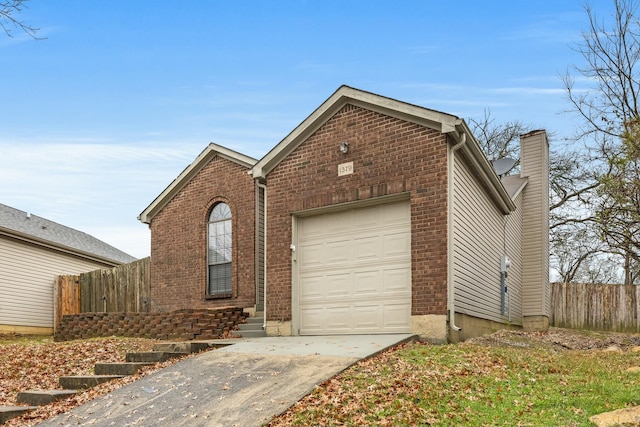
96	120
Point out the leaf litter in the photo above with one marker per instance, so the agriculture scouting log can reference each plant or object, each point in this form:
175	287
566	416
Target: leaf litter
36	363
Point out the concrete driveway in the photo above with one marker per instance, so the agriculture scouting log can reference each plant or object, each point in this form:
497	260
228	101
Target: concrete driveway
244	384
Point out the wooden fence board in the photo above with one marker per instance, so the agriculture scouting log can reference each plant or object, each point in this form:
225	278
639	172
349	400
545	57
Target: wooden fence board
124	288
595	306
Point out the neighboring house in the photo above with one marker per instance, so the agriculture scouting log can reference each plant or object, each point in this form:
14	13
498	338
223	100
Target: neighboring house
372	216
33	251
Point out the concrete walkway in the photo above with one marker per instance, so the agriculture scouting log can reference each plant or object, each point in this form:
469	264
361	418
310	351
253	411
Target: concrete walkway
244	384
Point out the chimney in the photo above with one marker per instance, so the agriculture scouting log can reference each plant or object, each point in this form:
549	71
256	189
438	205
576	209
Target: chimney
534	165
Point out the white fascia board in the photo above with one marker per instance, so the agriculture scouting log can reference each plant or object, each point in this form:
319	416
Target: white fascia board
189	172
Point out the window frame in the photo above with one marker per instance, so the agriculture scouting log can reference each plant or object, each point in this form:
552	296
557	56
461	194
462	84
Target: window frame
226	250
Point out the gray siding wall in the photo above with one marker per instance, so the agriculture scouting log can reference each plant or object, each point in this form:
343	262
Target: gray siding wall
514	251
481	235
27	275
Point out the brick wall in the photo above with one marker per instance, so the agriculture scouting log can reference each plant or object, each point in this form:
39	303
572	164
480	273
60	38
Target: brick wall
186	324
390	156
179	240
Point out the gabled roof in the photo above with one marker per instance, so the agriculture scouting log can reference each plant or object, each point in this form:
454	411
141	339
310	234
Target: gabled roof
22	226
190	171
442	122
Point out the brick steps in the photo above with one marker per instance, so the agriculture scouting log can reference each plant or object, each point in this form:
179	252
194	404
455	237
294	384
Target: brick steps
104	372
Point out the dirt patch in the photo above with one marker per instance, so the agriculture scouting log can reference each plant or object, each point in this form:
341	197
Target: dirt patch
560	340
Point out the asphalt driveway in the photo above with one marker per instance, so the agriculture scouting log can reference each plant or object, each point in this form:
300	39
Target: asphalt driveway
244	384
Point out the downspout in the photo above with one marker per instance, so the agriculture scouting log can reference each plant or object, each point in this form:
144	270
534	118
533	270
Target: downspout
450	204
264	263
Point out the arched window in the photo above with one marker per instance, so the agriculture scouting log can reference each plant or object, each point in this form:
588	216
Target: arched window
219	254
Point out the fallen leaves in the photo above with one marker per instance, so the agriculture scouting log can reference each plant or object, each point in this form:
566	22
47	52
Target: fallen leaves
37	363
507	378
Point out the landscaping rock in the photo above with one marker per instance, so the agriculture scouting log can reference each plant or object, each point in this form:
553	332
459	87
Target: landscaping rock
621	417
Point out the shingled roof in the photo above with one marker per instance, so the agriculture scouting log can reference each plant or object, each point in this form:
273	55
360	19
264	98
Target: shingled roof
23	226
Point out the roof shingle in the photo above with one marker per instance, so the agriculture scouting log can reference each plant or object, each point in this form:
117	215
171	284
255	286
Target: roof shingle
22	223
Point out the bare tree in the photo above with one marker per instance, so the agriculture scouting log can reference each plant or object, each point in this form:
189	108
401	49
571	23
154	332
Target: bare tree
9	22
610	113
574	241
498	140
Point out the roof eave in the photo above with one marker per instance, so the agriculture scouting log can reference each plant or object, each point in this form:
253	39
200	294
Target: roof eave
189	172
442	122
473	151
57	247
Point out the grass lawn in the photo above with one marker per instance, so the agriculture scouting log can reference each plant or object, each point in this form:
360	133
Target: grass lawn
473	384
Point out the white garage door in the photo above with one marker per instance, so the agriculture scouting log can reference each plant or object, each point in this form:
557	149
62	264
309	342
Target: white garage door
354	271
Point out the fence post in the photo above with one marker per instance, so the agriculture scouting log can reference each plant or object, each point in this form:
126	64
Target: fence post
66	298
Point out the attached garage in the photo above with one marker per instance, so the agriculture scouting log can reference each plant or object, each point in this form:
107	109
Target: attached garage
354	270
372	216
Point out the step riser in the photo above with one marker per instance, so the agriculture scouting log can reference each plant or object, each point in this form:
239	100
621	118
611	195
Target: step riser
119	368
82	382
181	347
43	397
250	327
152	356
8	412
249	334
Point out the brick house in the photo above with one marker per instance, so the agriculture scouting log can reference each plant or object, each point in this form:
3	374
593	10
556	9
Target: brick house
372	216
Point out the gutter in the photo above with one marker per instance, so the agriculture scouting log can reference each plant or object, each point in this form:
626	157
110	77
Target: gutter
450	205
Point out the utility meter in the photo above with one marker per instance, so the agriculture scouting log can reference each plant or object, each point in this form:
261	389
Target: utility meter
505	263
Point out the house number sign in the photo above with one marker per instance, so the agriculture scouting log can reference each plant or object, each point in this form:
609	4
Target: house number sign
345	169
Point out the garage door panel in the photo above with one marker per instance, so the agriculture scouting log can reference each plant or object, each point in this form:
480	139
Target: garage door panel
367	317
312	226
338	251
359	267
397	316
396	213
338	285
367	248
396	245
337	318
313	318
311	288
366	218
311	255
367	283
397	280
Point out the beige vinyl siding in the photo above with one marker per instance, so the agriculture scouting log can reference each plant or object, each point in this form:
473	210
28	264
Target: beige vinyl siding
479	236
514	251
535	232
27	274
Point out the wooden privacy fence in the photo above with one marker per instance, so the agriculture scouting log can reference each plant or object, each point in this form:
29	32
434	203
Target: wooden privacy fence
125	288
595	307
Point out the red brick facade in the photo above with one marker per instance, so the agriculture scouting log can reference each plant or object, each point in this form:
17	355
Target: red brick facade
390	156
179	239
